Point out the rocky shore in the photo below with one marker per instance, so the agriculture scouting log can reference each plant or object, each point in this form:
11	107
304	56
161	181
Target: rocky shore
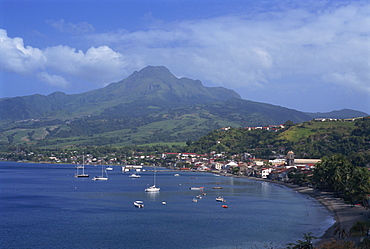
345	215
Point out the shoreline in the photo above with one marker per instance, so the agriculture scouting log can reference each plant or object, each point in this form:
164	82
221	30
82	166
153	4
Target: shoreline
345	215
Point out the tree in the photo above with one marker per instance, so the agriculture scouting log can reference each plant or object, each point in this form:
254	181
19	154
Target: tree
337	174
303	244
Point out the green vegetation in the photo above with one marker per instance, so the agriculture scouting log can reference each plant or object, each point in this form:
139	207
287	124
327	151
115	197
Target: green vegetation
311	139
336	174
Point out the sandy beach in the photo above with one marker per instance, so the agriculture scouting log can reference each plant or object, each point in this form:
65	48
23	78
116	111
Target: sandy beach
345	215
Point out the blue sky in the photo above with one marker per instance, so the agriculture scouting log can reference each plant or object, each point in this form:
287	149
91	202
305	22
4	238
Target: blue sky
307	55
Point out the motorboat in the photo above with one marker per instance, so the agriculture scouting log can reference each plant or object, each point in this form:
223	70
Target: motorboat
139	204
197	188
224	206
109	168
134	176
220	198
164	203
176	175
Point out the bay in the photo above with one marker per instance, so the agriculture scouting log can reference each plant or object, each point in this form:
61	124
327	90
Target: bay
45	206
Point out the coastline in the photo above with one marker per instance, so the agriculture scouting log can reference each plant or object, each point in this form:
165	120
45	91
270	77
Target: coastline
345	215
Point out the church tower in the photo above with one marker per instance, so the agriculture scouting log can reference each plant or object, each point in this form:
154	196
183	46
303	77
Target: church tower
290	158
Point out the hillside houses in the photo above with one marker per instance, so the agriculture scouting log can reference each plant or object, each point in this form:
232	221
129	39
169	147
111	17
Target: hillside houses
276	169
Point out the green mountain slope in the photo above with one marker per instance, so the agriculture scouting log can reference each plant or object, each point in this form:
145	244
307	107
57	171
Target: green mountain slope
310	139
149	106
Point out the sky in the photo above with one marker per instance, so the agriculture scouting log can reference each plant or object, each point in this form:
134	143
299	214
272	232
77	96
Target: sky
308	55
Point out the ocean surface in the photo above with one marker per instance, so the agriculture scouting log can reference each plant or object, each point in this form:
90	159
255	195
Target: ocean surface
45	206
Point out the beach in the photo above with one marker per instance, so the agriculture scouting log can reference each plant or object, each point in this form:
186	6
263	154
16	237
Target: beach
345	214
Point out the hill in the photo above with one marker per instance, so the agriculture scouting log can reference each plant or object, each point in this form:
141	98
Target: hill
149	106
310	139
339	114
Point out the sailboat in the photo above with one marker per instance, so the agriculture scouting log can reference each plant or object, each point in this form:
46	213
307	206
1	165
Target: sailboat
153	188
102	177
83	169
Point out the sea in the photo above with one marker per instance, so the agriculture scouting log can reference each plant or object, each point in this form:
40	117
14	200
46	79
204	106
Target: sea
45	206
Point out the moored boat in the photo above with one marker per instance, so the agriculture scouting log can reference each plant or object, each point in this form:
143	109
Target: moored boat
134	176
197	188
220	198
139	204
103	176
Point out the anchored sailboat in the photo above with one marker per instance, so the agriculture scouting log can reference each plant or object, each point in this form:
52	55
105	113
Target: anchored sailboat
83	169
153	188
103	176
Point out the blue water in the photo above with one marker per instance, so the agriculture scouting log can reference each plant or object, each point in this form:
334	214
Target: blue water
44	206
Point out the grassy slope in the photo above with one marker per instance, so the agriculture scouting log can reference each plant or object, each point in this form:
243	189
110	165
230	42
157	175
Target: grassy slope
306	129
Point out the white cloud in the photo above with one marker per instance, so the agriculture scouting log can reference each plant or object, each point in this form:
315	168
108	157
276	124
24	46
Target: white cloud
71	28
98	65
16	58
54	80
244	51
329	42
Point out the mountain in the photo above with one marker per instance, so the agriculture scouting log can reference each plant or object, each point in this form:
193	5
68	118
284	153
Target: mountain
149	106
135	95
340	114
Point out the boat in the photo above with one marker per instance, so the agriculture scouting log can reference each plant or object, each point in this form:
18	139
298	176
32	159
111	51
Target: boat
215	175
176	175
134	176
195	200
224	206
153	188
164	203
109	168
103	176
217	187
198	197
139	204
220	198
83	169
197	188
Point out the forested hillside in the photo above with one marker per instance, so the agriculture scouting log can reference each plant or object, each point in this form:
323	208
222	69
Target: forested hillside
311	139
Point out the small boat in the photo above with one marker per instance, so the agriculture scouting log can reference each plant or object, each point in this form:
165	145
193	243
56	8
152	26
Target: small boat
195	200
197	188
217	187
103	176
220	198
139	204
198	197
153	188
176	175
109	168
224	206
215	175
164	203
134	176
